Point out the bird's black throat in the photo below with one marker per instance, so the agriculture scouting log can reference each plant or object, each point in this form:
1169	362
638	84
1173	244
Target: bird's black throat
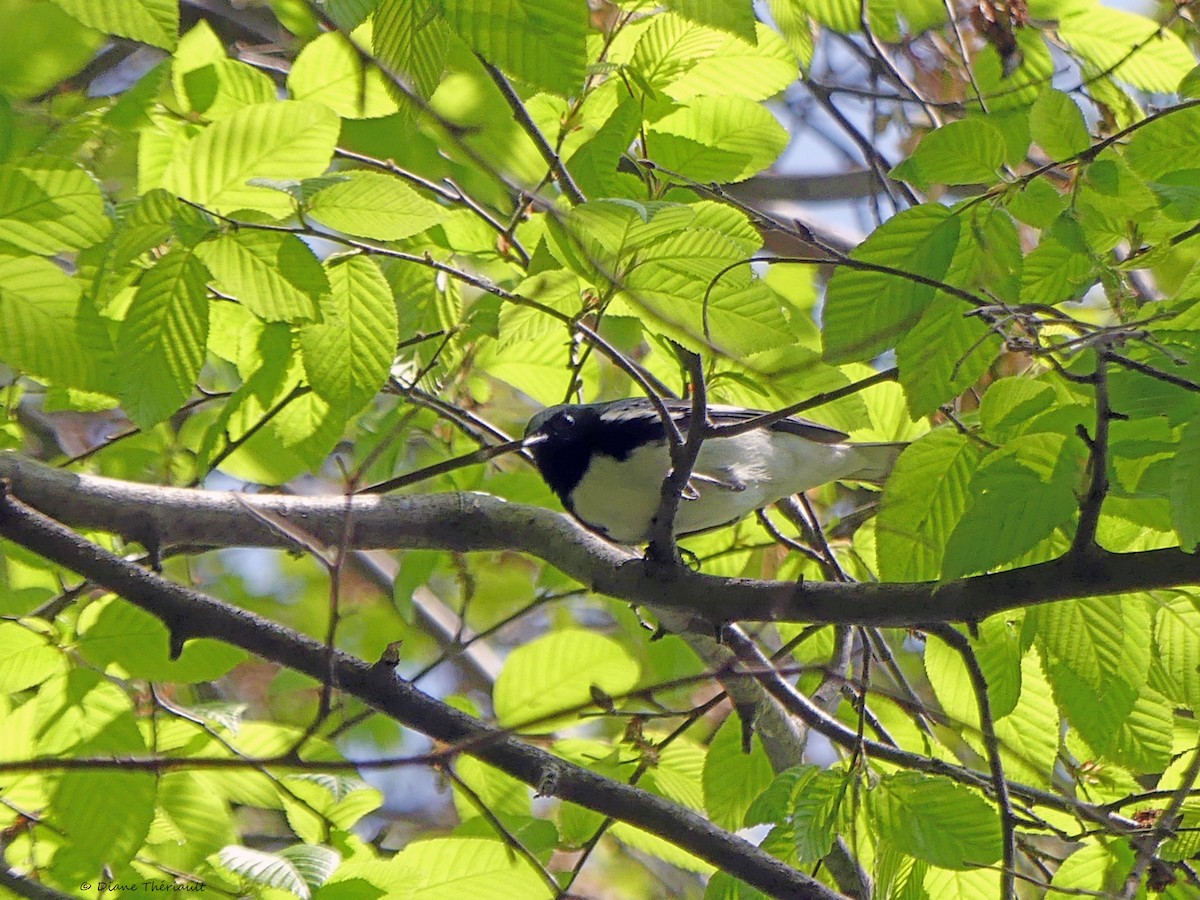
574	435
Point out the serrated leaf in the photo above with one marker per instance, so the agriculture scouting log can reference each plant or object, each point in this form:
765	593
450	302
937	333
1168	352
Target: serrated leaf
684	59
27	658
329	70
541	42
280	140
867	312
348	353
49	331
48	205
161	342
1185	487
1056	125
411	37
276	276
556	673
733	778
97	838
943	354
671	280
154	22
1029	734
269	870
1096	653
932	818
816	811
733	16
717	138
1177	641
1134	48
1168	143
500	793
374	205
461	867
923	500
1019	495
1189	84
114	631
793	22
968	151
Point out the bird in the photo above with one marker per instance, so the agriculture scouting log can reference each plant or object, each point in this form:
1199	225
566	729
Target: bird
606	463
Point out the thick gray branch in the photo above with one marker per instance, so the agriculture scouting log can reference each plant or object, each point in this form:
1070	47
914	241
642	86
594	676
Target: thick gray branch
161	517
191	614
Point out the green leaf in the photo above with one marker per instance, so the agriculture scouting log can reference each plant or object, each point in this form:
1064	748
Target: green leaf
49	331
48	205
27	658
791	18
42	46
1177	641
162	339
206	82
556	673
113	631
717	138
1055	272
969	151
541	42
972	884
348	353
1185	487
276	276
154	22
733	778
268	870
1036	203
867	312
818	808
934	819
1097	655
1029	734
502	794
1169	143
448	868
684	59
329	70
734	16
1099	866
411	37
191	821
1136	49
923	500
82	805
670	281
1057	126
1189	84
1019	495
284	140
943	354
374	205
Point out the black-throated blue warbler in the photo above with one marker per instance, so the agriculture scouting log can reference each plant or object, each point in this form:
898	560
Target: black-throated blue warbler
606	462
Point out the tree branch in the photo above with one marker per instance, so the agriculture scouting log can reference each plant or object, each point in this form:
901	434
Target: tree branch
191	614
476	522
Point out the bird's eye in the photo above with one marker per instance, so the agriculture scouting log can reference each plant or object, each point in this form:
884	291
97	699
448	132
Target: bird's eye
567	419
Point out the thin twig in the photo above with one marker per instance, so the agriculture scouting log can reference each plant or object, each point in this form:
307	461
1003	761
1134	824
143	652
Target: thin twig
521	114
987	727
1089	508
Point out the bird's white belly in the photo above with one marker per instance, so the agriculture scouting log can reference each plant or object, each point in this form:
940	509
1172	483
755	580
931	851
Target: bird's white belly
737	476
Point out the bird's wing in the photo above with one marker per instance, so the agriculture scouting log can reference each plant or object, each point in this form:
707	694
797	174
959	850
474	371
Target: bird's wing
720	414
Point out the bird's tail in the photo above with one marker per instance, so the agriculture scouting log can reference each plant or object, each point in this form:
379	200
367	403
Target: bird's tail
876	461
